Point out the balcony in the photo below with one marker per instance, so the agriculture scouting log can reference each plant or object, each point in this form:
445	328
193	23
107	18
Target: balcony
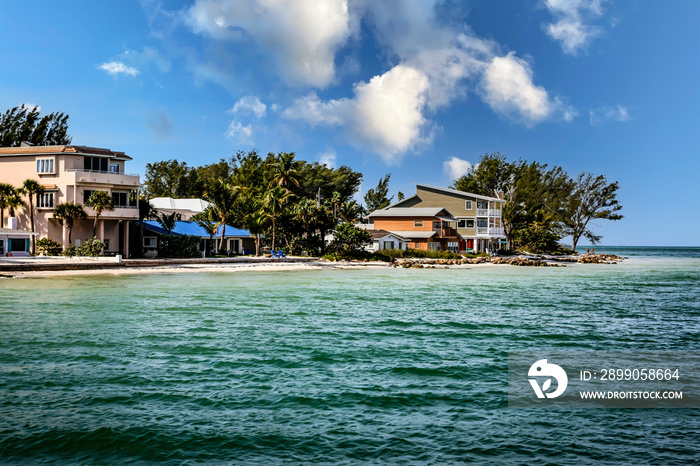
100	177
445	232
494	213
486	231
482	212
119	213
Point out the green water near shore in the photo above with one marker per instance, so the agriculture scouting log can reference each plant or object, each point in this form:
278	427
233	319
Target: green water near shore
381	365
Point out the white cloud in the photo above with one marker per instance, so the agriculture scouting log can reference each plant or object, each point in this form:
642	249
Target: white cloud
302	36
385	115
249	105
613	113
240	133
456	167
508	88
328	158
570	27
115	68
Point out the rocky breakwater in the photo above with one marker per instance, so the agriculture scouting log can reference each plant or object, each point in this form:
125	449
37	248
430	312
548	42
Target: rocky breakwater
442	263
599	259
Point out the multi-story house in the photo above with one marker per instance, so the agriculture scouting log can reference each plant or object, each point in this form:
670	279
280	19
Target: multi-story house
476	224
71	174
422	227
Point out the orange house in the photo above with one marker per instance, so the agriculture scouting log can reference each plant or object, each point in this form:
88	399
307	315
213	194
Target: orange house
424	227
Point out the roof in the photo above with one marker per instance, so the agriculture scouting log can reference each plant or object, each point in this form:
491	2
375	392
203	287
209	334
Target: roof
411	212
193	229
457	192
418	234
378	234
11	231
195	205
55	150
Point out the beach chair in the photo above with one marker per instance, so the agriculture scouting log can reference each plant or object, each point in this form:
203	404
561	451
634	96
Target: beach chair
280	253
274	253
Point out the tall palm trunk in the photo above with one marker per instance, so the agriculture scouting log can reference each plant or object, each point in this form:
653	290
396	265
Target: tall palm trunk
94	225
223	232
274	227
31	222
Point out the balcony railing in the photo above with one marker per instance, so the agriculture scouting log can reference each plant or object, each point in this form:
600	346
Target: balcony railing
490	231
100	171
496	231
494	213
482	231
482	212
445	232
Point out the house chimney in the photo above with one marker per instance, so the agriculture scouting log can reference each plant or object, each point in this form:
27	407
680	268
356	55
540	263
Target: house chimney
500	195
12	223
26	144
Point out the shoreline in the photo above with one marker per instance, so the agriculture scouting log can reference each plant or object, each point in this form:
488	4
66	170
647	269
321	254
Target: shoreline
60	267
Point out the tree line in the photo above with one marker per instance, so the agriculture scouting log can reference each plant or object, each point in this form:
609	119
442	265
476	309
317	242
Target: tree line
543	204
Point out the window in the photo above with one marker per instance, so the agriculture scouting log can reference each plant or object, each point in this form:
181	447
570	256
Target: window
468	205
106	241
44	166
434	246
453	246
114	167
86	194
96	164
388	245
470	223
149	242
482	205
120	199
465	223
482	223
44	200
418	223
2	247
17	245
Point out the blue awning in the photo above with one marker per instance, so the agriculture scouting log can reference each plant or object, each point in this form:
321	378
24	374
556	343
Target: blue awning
194	229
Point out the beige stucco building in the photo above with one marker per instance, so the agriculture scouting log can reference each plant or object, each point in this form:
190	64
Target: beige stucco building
70	174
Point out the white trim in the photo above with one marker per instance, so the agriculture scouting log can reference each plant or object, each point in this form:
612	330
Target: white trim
460	193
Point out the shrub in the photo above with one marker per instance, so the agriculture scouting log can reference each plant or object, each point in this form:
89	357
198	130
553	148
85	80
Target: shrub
48	247
348	241
179	246
536	239
70	251
92	247
420	253
313	245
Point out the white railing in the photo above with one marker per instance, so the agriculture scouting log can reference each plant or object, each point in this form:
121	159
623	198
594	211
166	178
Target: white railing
100	171
482	212
496	231
494	213
482	231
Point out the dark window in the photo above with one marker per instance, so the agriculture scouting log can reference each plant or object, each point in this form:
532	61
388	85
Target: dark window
97	164
120	199
17	244
86	194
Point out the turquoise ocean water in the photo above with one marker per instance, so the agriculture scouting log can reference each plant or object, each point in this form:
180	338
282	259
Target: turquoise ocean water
335	366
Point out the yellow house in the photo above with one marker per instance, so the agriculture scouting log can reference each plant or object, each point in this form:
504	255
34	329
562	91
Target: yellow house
71	174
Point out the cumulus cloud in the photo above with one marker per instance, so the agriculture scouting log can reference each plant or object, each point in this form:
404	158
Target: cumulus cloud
385	115
243	134
456	167
570	27
249	105
613	113
302	36
116	68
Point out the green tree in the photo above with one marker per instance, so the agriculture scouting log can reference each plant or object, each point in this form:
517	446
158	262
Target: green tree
586	198
222	196
6	193
167	221
69	212
284	172
171	178
274	202
255	224
376	198
350	212
23	124
100	202
349	240
32	188
146	211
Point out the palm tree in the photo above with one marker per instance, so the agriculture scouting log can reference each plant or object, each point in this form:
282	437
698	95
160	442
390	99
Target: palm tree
350	211
69	212
274	200
167	221
14	201
284	173
99	201
32	188
222	196
7	192
255	222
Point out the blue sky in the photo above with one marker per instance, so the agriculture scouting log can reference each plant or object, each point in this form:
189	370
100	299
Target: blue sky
419	89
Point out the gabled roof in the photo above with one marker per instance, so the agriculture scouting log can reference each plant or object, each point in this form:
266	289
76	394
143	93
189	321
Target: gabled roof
411	212
379	234
195	205
418	234
457	192
194	229
55	150
12	231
